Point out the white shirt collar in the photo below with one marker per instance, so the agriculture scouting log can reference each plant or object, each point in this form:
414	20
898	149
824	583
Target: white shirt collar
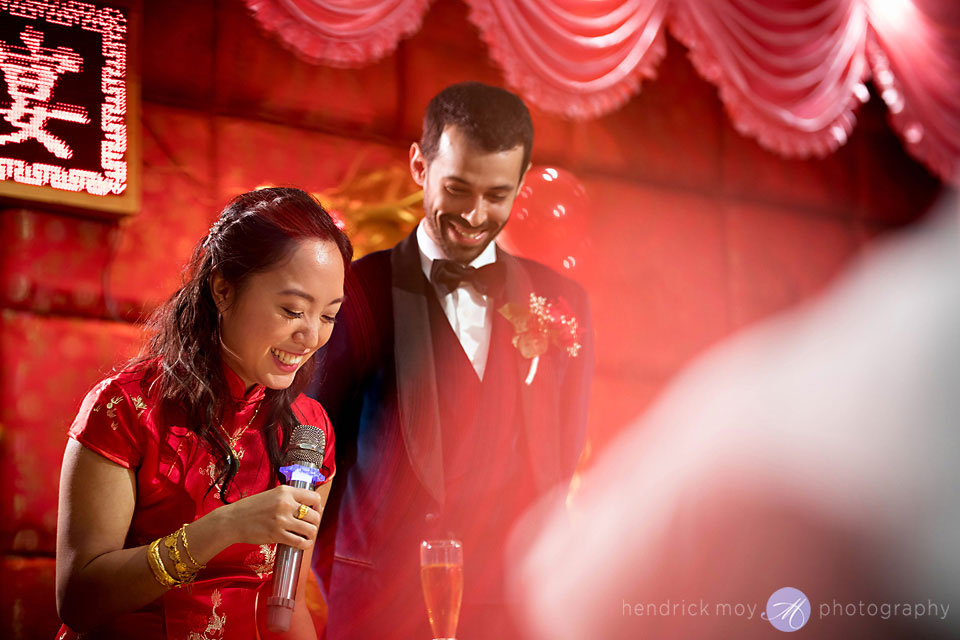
430	251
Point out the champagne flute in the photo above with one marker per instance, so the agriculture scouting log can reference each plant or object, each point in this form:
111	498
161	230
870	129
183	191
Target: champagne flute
441	574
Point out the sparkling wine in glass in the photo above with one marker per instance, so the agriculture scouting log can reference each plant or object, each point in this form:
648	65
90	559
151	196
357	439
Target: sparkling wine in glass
441	574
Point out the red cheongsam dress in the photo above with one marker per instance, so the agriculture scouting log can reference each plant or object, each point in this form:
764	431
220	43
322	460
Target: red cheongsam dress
174	473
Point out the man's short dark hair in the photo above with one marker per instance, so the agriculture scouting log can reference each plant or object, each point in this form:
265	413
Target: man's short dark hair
492	118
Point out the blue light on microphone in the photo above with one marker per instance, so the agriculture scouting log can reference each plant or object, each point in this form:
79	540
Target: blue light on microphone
302	473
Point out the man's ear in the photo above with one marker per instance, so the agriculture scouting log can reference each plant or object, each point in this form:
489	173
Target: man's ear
222	291
523	176
418	164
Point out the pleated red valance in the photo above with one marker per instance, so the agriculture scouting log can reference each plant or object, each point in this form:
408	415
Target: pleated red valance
790	72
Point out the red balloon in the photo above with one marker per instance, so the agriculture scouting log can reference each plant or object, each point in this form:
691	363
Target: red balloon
548	222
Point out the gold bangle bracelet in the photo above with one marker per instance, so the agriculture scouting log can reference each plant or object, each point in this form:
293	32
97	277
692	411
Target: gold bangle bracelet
186	547
170	542
156	566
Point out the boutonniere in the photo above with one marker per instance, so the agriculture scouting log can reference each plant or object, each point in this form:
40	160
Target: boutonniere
540	324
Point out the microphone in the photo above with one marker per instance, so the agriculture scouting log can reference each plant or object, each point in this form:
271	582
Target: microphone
302	465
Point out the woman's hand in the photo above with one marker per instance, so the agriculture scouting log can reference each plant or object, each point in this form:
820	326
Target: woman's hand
271	516
98	579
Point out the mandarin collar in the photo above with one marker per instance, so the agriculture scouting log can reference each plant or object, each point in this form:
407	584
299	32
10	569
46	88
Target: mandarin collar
238	391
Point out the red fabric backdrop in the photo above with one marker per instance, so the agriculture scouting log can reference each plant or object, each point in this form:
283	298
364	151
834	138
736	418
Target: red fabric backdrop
790	72
694	230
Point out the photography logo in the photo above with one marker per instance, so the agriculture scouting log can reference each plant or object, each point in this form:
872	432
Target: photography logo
788	609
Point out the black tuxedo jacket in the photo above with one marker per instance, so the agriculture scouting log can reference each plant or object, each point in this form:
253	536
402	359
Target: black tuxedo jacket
378	383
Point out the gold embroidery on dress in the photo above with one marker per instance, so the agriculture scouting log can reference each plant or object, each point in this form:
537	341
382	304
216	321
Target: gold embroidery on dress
112	411
216	623
139	405
260	561
211	471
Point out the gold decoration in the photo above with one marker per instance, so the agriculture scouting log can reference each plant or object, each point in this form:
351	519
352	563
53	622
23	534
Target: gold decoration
112	411
216	623
139	405
261	560
186	547
170	542
156	566
210	472
185	574
234	440
377	209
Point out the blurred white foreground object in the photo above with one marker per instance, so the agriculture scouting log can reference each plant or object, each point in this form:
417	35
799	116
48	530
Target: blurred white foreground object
818	450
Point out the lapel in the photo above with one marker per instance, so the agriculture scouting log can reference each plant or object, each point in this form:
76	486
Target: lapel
416	373
417	383
540	409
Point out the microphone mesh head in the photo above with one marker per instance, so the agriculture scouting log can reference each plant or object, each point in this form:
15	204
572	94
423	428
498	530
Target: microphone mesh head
307	444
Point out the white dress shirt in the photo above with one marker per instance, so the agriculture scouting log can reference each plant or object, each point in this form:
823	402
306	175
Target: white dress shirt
469	312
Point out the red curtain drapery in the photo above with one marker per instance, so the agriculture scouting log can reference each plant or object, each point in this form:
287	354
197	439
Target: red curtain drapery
578	59
789	75
915	55
340	33
789	72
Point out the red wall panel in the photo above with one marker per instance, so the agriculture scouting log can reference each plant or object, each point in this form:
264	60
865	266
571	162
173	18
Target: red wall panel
47	365
177	211
669	134
250	154
255	74
893	189
778	258
752	173
447	49
657	276
53	264
28	607
177	59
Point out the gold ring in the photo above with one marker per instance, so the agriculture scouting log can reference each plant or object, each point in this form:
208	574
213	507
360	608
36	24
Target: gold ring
302	512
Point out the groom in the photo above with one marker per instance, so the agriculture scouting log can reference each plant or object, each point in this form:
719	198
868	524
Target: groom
445	427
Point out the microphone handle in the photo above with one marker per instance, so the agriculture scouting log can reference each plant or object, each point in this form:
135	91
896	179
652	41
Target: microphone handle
286	574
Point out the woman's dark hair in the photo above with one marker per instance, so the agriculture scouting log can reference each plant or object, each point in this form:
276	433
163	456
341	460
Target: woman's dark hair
255	231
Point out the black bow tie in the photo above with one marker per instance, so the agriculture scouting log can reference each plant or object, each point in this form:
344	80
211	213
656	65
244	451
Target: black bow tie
447	275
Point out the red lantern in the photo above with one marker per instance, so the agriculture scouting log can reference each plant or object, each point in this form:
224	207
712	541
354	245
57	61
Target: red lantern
548	222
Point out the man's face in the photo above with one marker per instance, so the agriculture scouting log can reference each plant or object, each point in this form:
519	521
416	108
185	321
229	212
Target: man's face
467	193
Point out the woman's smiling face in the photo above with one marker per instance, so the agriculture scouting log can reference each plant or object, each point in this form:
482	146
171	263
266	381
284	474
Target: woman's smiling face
277	319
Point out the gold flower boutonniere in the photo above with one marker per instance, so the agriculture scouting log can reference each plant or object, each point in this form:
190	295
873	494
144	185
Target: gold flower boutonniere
540	324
